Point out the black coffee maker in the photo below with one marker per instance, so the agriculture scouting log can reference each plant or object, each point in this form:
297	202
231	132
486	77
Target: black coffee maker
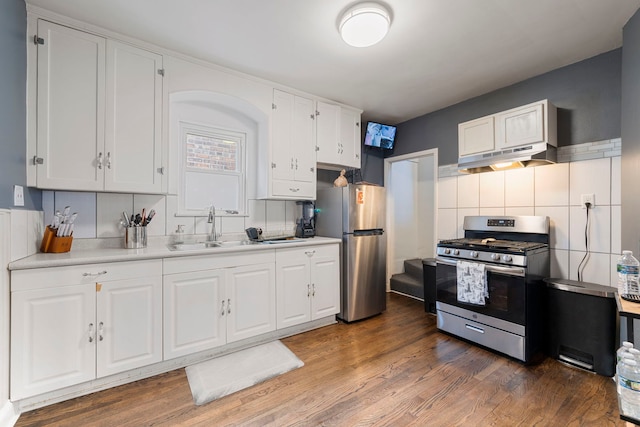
306	226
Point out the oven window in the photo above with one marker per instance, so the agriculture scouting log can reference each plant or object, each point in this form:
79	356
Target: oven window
506	294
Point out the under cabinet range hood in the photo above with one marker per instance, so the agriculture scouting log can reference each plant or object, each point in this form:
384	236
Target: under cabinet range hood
512	158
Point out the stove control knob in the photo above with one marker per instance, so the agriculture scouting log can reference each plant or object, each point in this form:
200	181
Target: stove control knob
456	252
495	257
474	254
447	251
506	258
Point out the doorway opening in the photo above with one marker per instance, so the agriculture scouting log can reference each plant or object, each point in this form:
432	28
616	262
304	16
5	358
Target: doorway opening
411	182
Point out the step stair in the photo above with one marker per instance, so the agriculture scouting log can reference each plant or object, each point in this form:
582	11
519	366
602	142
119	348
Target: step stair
410	282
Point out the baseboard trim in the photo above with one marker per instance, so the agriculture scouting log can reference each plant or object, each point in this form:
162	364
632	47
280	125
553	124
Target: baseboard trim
8	414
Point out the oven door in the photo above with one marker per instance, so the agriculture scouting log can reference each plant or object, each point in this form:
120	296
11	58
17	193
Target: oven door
506	284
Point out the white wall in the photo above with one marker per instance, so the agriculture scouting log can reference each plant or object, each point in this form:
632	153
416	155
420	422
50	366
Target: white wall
554	191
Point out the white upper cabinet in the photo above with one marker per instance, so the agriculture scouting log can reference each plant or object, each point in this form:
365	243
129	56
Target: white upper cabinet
293	156
338	136
98	113
133	126
476	136
71	103
527	125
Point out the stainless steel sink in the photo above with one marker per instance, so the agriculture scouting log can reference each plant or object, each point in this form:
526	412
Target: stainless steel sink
207	245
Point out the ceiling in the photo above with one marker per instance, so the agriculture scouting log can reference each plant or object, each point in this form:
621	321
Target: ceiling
437	52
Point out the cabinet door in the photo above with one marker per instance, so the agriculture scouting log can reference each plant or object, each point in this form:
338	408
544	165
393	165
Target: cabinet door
303	142
194	312
476	136
328	133
293	287
325	282
350	138
129	324
251	304
71	94
52	339
282	157
520	126
133	153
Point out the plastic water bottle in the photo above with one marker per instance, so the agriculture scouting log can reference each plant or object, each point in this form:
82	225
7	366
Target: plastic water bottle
628	268
622	351
629	381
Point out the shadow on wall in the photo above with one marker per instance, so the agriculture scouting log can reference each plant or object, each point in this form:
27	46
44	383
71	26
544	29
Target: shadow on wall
565	117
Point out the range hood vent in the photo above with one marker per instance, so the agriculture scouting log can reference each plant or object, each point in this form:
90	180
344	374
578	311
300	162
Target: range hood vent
519	157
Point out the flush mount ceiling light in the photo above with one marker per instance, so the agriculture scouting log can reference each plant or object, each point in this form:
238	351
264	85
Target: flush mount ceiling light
364	24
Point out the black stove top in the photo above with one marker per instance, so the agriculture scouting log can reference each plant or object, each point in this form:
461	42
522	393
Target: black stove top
491	244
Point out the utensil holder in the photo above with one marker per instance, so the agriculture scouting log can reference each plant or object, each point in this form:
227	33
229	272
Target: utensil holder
135	237
55	244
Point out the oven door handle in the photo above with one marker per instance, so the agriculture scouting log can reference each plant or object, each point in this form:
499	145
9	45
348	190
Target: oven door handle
508	271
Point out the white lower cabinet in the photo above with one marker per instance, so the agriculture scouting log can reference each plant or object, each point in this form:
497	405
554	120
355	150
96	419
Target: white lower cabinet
210	308
308	284
74	324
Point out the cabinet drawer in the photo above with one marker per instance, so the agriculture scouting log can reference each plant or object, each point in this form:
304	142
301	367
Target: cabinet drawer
308	252
294	188
80	274
213	261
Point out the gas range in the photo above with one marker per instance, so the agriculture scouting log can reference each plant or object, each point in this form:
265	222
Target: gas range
509	252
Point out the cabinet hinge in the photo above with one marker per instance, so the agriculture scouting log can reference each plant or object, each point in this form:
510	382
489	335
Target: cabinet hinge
312	117
38	40
357	124
312	169
317	113
273	165
317	148
274	107
161	170
38	160
161	72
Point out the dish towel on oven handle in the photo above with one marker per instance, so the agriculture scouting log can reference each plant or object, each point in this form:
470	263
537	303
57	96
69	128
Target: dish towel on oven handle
472	282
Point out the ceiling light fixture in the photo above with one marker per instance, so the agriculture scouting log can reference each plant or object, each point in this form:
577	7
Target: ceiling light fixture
364	24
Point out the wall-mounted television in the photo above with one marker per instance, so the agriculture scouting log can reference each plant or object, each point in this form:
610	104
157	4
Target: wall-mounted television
379	135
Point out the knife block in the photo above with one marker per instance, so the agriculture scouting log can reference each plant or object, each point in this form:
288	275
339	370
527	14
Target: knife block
55	244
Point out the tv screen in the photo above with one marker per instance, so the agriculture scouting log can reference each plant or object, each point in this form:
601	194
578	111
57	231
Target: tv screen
379	135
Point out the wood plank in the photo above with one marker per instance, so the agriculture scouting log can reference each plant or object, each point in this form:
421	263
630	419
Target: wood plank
393	369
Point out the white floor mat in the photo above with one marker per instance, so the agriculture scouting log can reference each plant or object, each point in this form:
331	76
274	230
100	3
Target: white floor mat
227	374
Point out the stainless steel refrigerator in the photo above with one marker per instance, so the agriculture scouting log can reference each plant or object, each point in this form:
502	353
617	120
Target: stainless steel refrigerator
356	214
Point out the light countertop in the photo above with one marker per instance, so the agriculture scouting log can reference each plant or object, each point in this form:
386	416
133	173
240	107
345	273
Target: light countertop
157	250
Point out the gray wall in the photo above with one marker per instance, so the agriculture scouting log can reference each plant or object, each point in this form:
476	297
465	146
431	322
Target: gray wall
631	135
586	93
13	77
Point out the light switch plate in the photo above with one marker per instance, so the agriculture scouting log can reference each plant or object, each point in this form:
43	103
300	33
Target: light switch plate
18	195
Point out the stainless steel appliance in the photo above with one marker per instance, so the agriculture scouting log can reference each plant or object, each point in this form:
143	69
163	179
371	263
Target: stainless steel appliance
356	214
306	225
513	254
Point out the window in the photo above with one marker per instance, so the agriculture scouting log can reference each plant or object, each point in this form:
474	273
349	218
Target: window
214	165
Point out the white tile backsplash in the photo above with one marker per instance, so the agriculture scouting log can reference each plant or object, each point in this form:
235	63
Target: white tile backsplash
84	204
590	177
551	185
156	202
448	192
469	191
518	187
492	190
552	191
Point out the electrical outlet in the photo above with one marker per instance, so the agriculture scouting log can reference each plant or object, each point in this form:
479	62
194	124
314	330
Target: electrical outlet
588	198
18	195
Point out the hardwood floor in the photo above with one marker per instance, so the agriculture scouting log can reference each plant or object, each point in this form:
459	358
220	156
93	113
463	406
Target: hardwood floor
394	369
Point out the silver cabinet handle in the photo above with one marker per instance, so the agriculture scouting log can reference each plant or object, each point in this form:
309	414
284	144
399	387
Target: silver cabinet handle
99	160
99	273
100	331
294	190
222	312
91	332
291	164
229	306
474	328
109	160
313	291
309	253
308	291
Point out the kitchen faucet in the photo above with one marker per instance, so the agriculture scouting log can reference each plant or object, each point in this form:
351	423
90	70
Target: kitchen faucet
213	236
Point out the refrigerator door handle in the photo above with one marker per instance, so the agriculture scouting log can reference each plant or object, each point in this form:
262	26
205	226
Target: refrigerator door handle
371	232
